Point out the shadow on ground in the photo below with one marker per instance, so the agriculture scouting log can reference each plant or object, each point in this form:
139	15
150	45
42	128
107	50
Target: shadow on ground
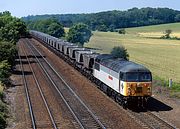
30	56
17	72
153	105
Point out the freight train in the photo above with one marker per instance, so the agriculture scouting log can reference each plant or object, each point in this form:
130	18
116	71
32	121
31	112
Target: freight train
125	81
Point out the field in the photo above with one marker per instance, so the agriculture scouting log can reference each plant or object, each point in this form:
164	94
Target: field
161	56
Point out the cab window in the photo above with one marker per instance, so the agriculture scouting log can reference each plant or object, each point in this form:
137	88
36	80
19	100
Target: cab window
137	77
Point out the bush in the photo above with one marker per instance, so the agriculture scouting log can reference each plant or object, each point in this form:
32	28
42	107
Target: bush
122	31
3	115
167	34
4	71
3	108
2	121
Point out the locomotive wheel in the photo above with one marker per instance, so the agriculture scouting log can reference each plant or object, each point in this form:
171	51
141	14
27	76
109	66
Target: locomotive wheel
124	104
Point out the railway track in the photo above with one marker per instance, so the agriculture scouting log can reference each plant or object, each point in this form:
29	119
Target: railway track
33	99
149	120
27	95
82	114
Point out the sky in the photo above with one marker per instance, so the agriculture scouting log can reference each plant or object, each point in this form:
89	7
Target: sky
20	8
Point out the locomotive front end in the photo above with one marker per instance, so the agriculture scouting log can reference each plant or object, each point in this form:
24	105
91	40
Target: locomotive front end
137	84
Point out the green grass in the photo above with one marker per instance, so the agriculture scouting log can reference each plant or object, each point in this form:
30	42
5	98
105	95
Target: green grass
161	56
155	28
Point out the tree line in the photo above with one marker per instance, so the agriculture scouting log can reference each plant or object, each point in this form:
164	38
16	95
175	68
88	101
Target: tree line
11	29
112	20
78	33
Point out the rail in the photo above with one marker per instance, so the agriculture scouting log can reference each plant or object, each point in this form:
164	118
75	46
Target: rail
82	120
41	92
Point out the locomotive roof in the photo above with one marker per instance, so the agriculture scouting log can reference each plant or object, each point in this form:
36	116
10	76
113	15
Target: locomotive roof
119	64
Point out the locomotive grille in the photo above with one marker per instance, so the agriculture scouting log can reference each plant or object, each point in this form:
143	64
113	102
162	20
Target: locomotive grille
139	90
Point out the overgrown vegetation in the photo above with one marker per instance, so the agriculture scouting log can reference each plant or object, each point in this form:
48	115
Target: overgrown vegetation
4	71
3	114
11	29
112	20
160	82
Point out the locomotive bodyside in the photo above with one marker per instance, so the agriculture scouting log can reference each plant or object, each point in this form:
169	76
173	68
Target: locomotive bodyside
130	80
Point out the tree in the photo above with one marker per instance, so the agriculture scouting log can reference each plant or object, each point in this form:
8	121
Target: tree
50	26
11	28
56	30
177	18
112	28
102	28
120	52
106	21
79	33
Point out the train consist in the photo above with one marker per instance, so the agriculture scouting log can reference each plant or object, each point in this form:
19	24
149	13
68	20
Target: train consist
125	81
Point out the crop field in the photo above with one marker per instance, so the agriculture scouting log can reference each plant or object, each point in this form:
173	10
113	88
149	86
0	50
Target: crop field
161	56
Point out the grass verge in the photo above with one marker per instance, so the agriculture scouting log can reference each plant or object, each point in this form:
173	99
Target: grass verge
3	109
159	83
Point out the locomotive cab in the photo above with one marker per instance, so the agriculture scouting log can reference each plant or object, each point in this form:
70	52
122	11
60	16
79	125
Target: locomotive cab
136	84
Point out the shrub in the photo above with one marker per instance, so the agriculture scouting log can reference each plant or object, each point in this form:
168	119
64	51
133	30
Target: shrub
122	31
3	115
3	108
2	121
167	34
